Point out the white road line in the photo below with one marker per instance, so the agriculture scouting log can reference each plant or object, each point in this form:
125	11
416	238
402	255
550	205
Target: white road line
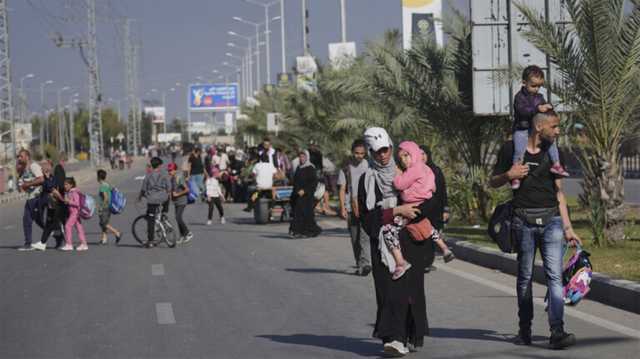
157	269
539	301
164	311
11	226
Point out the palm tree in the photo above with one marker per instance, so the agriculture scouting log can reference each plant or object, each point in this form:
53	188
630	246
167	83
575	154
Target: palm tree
597	57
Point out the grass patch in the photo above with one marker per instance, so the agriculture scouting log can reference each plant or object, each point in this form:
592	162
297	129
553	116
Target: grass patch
621	260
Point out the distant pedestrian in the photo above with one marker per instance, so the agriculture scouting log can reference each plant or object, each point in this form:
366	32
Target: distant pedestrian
348	179
72	200
215	196
305	182
197	169
30	182
179	191
156	188
104	209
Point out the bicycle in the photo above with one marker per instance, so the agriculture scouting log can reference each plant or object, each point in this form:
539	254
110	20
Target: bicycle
164	231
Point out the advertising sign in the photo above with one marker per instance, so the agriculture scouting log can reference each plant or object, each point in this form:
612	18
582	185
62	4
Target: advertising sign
421	18
342	54
273	122
213	97
228	123
307	68
170	137
156	113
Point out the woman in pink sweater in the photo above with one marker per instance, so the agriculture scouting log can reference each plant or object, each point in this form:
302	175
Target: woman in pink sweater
416	183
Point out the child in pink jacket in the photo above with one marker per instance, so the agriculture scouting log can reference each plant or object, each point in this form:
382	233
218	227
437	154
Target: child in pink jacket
72	199
416	184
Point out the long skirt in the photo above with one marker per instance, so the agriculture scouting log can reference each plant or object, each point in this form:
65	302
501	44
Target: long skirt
304	221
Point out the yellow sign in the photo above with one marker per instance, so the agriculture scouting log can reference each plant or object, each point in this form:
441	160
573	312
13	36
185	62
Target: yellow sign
416	3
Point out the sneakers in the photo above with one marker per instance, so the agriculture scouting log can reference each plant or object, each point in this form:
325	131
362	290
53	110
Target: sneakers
188	238
557	169
448	257
523	338
560	339
223	221
82	247
515	184
39	246
400	271
209	222
412	348
26	248
66	248
395	349
103	241
118	238
365	271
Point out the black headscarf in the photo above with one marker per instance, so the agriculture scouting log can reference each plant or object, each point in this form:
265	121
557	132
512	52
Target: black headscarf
427	151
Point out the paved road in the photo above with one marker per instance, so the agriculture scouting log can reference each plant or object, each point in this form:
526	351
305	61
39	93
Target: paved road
631	189
246	291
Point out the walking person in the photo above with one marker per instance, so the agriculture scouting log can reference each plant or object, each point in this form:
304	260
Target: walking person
156	188
348	193
179	191
215	197
305	181
401	317
55	211
72	200
104	208
541	220
197	169
30	181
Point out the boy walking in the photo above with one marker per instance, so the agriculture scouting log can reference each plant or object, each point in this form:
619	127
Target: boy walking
156	188
104	208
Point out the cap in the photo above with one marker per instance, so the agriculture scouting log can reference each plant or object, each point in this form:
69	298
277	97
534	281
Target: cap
377	138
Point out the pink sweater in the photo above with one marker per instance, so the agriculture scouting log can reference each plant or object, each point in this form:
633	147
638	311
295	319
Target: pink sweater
74	202
418	182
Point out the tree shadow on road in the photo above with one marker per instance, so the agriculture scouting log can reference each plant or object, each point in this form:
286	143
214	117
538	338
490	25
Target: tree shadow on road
320	270
358	346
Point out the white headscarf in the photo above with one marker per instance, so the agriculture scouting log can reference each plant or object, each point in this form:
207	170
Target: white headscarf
306	163
381	176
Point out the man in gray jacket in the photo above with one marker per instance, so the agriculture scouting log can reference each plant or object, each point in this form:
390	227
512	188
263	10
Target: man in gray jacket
155	188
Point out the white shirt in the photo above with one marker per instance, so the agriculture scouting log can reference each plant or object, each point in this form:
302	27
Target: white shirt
264	172
221	160
34	171
213	188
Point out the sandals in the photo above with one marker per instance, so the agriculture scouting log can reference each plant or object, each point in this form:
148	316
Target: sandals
400	271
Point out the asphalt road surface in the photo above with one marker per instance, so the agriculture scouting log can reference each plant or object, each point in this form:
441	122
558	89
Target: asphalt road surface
246	291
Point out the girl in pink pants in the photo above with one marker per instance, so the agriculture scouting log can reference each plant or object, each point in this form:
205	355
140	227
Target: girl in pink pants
72	199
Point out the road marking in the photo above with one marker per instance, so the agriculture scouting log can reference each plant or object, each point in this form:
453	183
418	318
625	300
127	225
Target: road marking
11	226
164	311
138	178
539	301
157	269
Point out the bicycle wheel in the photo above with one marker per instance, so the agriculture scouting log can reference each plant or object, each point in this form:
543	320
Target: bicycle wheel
139	229
170	234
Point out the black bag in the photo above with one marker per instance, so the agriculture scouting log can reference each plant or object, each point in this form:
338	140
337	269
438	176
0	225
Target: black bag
500	228
537	216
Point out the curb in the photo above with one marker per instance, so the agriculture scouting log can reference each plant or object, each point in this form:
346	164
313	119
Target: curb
618	293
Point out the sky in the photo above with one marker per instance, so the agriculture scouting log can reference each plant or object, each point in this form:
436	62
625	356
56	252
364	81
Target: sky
180	39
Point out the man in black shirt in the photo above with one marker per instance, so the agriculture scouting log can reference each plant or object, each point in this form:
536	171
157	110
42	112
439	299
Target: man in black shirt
541	219
196	169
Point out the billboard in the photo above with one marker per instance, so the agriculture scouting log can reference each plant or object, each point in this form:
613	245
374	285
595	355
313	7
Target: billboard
213	97
421	18
306	67
499	49
156	113
170	137
342	54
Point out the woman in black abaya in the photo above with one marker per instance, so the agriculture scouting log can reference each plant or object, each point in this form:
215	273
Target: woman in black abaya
305	182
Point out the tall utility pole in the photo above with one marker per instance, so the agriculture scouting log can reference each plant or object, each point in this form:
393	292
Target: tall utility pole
130	88
95	97
282	38
6	101
343	19
305	28
137	101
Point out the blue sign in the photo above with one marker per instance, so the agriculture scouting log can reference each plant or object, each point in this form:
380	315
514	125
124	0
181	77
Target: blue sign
213	97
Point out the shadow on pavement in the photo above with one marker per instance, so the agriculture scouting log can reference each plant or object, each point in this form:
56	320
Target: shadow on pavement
321	270
476	334
359	346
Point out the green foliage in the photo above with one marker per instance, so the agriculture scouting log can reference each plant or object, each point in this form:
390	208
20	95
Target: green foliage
464	198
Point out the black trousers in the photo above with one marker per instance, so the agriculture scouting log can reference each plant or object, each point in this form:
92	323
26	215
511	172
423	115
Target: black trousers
54	223
182	227
217	201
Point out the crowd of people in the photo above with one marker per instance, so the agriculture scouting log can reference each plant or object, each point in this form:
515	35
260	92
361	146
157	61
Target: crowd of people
393	198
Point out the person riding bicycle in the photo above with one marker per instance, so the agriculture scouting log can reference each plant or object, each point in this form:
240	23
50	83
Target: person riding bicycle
156	188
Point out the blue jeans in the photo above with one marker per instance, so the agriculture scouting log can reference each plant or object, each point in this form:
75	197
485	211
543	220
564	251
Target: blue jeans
550	240
30	214
199	180
520	139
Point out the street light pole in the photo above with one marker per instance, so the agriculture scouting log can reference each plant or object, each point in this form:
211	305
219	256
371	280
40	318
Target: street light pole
267	32
72	142
23	96
60	120
257	26
44	124
282	38
343	18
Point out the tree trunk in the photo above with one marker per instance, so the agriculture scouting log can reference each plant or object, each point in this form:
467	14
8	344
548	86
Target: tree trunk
603	188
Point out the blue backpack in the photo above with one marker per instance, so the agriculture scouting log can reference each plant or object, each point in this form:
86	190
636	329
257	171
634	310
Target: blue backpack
194	192
118	201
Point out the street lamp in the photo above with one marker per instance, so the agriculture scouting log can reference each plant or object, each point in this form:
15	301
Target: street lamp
257	26
23	96
249	59
60	120
266	20
72	140
44	131
245	67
